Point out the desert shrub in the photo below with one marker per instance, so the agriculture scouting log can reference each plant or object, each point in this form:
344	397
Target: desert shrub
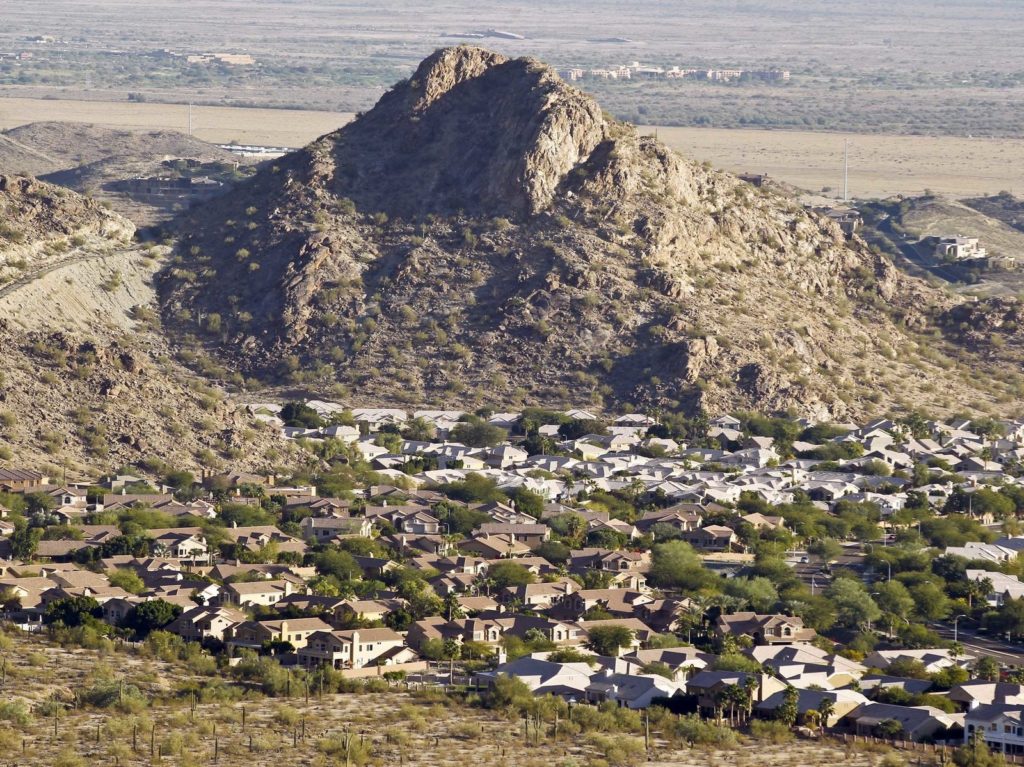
771	731
695	731
346	748
617	750
15	712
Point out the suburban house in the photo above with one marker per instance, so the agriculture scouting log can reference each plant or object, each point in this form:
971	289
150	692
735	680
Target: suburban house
187	543
933	659
22	480
529	535
706	686
918	723
631	690
971	695
255	593
1001	726
255	635
321	529
355	648
712	538
566	680
959	249
843	702
764	629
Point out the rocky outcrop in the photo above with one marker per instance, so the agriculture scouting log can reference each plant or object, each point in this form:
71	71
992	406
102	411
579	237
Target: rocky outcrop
514	128
485	234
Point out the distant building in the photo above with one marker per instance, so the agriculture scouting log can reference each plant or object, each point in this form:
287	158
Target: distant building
959	249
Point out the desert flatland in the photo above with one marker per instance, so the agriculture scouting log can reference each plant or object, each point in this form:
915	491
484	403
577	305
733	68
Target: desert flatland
880	165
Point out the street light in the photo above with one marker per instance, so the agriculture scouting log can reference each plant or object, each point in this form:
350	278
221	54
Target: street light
955	620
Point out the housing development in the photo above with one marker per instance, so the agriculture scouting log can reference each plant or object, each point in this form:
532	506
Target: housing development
857	579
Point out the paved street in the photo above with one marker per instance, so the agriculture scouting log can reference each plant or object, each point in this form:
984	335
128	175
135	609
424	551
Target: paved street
983	645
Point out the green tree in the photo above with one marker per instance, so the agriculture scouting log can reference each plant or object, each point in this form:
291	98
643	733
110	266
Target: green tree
931	602
299	414
555	552
1009	619
474	488
73	611
127	580
676	565
505	574
987	668
476	432
826	548
419	430
826	708
340	564
25	542
759	593
608	640
571	655
888	728
854	606
150	616
894	598
977	754
527	501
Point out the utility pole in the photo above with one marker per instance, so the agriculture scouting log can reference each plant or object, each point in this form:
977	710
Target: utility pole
846	170
190	119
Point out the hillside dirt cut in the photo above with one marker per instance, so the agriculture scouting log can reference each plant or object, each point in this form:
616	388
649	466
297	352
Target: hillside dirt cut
88	379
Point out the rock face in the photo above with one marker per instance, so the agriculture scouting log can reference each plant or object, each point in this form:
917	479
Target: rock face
470	131
486	234
35	216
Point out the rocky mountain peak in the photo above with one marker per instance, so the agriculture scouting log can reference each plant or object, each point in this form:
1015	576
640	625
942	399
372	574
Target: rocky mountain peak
471	131
446	68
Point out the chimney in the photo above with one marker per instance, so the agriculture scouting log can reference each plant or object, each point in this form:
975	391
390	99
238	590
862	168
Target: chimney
352	651
284	629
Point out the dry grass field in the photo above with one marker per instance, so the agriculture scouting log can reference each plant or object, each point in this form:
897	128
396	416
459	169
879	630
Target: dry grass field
268	127
880	166
387	728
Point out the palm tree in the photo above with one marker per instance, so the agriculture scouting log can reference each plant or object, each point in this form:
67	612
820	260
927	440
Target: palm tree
826	708
979	589
750	687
